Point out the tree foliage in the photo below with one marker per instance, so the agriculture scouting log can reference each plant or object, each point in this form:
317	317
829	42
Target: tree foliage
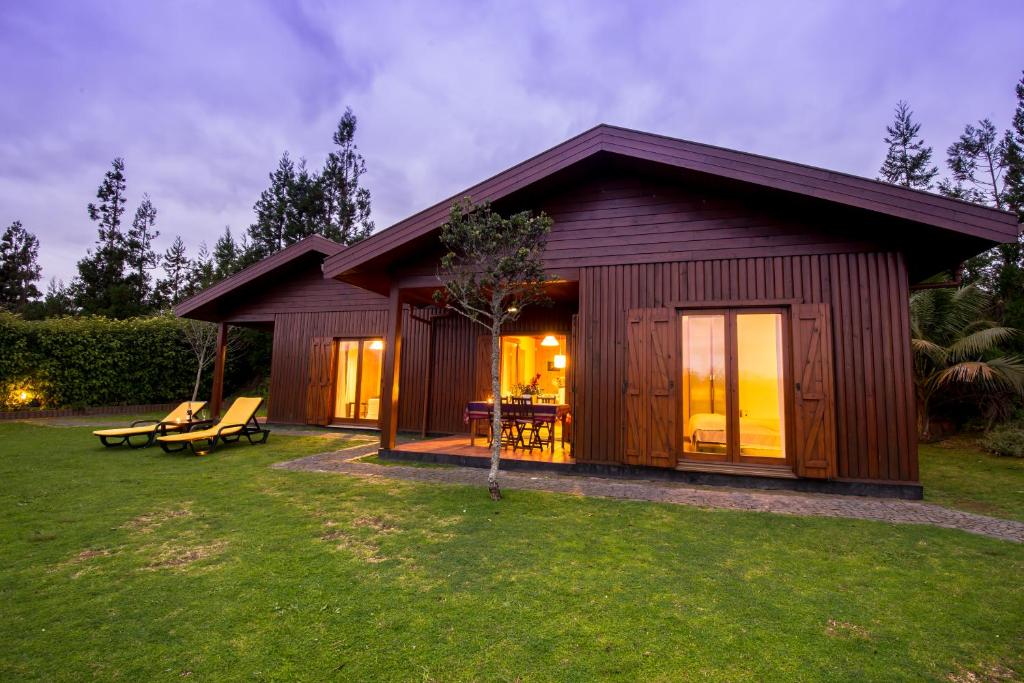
492	270
956	347
107	283
300	202
19	269
908	161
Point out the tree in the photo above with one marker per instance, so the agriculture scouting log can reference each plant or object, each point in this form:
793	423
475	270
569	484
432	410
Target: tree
101	287
171	288
225	255
306	214
346	204
492	271
1013	149
977	161
956	347
19	270
201	273
141	258
908	161
58	300
273	211
202	339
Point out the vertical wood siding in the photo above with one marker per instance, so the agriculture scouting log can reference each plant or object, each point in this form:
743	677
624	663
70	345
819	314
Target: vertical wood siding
867	293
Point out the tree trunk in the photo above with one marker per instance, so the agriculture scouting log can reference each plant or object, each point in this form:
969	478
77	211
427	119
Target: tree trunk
492	476
199	376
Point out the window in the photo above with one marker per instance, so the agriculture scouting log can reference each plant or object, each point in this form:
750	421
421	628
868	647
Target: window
733	397
357	392
541	357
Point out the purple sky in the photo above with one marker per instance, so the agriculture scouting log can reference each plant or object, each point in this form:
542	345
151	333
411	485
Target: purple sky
201	98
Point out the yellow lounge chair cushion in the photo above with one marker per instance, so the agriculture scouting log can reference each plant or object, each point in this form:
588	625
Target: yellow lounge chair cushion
199	434
179	414
240	412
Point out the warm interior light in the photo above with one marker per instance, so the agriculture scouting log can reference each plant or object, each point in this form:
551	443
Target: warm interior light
512	309
376	345
549	341
23	395
559	362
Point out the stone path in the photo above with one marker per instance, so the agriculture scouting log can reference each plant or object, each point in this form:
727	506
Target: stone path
786	503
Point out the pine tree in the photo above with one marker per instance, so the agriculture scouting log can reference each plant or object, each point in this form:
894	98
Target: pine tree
141	257
306	205
201	272
274	211
908	161
225	255
58	300
977	162
101	286
1013	147
19	269
171	288
346	206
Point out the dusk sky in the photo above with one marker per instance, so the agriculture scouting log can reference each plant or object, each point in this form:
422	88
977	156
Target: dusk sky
201	98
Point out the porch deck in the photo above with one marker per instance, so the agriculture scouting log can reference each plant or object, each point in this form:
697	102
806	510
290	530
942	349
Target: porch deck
458	445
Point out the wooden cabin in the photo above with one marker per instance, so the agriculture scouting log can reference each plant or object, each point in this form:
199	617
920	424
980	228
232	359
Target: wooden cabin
718	317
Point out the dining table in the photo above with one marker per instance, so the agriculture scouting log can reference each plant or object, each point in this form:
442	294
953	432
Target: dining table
481	411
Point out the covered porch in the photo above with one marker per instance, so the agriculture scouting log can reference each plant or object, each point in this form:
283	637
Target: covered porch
449	384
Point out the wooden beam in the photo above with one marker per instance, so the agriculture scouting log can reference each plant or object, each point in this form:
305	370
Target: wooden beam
428	380
219	359
392	364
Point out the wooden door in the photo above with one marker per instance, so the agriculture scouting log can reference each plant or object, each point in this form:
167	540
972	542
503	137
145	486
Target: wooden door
814	439
319	390
651	386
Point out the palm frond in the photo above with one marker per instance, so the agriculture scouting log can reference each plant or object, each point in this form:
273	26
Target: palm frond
982	341
929	349
997	374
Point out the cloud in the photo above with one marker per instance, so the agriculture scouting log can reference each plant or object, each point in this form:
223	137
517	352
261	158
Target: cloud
202	98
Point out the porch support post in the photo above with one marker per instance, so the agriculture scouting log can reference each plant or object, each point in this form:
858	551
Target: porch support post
392	363
219	358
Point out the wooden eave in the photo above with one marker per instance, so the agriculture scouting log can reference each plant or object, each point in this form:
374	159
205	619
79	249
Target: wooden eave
261	269
985	223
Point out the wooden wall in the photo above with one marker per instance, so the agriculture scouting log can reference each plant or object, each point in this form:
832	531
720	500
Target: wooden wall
867	294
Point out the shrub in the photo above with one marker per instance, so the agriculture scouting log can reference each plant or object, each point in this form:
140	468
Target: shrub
1005	441
91	361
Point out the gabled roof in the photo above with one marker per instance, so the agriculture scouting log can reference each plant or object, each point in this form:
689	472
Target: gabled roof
261	269
842	188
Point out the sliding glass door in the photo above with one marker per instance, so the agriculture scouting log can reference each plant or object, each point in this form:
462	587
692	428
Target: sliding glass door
733	385
357	388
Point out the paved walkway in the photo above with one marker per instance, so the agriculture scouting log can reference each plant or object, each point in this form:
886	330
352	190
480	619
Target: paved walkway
786	503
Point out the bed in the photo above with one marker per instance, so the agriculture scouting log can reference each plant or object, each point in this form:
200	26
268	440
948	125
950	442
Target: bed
708	429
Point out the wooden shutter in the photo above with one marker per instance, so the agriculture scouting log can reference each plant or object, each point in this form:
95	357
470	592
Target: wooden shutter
319	390
482	387
636	371
651	386
663	349
814	399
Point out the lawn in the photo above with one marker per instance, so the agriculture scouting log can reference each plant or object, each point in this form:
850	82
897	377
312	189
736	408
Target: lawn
957	474
129	565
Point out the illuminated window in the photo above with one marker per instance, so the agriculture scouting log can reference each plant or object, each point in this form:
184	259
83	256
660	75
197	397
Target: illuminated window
733	396
529	361
357	391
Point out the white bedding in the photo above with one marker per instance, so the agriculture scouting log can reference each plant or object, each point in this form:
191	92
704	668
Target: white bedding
755	432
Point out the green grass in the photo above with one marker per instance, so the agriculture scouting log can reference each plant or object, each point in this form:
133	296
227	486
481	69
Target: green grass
956	473
129	565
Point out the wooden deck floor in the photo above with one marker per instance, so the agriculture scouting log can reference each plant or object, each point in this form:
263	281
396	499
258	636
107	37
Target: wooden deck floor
459	445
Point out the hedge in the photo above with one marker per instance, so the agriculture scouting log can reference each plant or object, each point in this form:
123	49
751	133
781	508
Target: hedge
93	361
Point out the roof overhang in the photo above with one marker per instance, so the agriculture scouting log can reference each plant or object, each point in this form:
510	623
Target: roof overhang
203	305
365	263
